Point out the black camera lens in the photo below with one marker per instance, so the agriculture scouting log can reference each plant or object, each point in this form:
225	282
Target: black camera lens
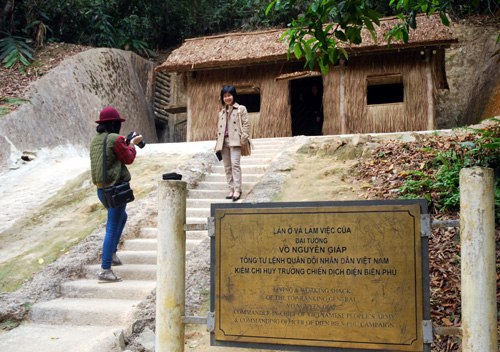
131	135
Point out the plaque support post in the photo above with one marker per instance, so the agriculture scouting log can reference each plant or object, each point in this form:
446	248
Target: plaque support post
171	267
477	233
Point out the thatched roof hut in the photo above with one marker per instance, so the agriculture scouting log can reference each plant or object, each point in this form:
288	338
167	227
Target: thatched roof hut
256	62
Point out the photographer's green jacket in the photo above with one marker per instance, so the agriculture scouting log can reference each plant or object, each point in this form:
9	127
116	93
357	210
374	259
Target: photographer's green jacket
116	171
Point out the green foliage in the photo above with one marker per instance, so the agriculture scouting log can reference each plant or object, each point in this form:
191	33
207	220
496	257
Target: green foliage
409	9
132	28
5	102
138	25
10	324
12	101
144	26
484	151
310	37
14	51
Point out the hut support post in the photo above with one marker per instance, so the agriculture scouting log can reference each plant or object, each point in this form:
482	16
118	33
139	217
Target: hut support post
431	119
189	120
342	96
171	267
477	232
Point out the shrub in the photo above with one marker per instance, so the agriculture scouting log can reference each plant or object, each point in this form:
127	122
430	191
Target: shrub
14	51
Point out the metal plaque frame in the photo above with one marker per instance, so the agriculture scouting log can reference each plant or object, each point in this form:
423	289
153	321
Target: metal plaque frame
292	206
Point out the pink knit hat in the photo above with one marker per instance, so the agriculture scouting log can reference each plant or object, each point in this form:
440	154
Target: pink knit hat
109	114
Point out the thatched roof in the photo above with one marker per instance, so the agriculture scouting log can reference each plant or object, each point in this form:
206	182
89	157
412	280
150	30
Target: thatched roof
239	49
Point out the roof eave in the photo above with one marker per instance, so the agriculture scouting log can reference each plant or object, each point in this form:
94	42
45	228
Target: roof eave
278	59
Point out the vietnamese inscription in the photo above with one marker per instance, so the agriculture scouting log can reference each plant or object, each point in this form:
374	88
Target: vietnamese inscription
337	279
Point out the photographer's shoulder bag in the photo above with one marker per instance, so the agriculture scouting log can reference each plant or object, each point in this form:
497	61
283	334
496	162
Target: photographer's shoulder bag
118	194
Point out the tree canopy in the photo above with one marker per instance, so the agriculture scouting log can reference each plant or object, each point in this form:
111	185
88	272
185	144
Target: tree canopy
320	33
147	26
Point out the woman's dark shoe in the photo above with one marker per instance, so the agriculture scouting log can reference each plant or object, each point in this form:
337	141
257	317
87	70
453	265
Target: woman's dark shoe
229	196
236	197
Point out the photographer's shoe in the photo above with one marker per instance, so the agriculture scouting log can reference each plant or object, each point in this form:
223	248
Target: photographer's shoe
115	261
106	276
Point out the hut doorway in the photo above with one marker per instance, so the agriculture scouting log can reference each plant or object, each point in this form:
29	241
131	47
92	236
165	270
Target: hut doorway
307	106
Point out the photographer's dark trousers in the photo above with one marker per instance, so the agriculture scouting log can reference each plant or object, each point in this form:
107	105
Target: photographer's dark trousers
117	218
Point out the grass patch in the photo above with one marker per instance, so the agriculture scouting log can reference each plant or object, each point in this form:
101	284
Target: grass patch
319	177
50	231
8	104
10	324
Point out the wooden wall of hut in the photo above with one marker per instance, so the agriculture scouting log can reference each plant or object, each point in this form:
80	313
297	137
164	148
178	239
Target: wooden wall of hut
410	115
204	99
332	118
344	96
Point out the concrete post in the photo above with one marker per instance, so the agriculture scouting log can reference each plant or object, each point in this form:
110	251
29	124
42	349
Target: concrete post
171	266
477	233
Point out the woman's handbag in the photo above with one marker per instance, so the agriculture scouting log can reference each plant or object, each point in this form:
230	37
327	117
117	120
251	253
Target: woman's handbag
249	145
248	150
118	194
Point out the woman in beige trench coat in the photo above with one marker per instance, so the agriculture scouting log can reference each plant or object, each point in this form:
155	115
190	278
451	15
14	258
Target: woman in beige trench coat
233	130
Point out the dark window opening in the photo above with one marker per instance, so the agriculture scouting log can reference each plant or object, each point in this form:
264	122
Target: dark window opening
251	101
386	89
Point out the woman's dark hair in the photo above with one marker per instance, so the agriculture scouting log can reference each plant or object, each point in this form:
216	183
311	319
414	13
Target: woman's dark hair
109	126
227	89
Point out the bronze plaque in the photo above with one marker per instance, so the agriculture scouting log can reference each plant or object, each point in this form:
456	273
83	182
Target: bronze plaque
336	277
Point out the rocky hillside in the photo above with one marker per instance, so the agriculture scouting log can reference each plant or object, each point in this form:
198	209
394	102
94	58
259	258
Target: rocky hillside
473	76
60	107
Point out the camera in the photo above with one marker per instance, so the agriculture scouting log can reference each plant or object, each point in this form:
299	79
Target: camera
131	136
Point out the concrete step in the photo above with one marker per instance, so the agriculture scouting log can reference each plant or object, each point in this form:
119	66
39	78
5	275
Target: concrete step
197	212
267	148
128	289
59	338
133	257
151	244
255	160
126	272
137	257
191	243
197	235
245	169
222	185
140	244
148	232
211	194
261	153
282	140
221	177
84	311
192	220
205	203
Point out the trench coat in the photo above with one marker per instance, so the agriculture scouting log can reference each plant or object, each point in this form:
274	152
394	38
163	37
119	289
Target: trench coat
237	135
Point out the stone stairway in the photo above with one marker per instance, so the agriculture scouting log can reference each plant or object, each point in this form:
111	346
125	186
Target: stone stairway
214	188
90	316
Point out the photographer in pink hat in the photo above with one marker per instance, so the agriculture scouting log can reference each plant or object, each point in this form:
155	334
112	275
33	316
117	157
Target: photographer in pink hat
119	153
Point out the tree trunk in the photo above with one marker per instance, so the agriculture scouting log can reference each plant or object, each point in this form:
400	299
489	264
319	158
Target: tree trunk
7	10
